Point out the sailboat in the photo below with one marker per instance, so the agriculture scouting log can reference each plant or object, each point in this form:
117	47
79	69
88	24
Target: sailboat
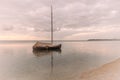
48	46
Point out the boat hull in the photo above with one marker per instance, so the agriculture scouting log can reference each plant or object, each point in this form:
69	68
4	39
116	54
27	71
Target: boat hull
46	46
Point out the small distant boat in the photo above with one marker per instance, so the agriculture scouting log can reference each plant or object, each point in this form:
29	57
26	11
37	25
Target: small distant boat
48	46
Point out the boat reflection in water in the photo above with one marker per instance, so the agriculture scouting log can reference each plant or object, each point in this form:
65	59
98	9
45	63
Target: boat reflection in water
40	53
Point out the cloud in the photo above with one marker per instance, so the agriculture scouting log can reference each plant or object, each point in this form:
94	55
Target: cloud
100	32
33	16
8	28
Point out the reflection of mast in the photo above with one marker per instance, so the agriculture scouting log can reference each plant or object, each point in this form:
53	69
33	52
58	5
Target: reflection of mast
52	64
43	53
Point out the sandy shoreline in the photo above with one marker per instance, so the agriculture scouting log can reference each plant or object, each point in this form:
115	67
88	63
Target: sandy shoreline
109	71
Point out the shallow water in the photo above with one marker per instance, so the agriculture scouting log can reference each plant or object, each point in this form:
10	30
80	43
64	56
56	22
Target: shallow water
19	62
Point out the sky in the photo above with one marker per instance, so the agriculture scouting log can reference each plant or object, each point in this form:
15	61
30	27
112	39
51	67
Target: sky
73	19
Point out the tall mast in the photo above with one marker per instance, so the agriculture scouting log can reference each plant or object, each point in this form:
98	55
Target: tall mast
51	22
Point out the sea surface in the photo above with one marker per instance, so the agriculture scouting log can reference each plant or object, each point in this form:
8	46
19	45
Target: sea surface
19	62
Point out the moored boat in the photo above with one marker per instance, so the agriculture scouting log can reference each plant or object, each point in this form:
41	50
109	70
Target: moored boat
46	46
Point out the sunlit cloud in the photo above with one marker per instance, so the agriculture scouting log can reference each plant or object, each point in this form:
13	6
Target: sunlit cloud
101	32
73	19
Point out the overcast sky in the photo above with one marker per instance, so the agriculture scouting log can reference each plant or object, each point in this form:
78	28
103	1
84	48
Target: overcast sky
73	19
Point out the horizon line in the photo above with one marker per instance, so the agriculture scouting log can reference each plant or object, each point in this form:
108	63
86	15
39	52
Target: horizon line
60	40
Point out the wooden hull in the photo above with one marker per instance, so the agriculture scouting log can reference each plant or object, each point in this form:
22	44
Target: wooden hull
46	46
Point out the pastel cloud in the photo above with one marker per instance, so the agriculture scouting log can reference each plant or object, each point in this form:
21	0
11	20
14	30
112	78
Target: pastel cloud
73	19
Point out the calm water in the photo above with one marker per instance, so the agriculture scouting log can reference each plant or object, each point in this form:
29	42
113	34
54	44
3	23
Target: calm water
19	62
